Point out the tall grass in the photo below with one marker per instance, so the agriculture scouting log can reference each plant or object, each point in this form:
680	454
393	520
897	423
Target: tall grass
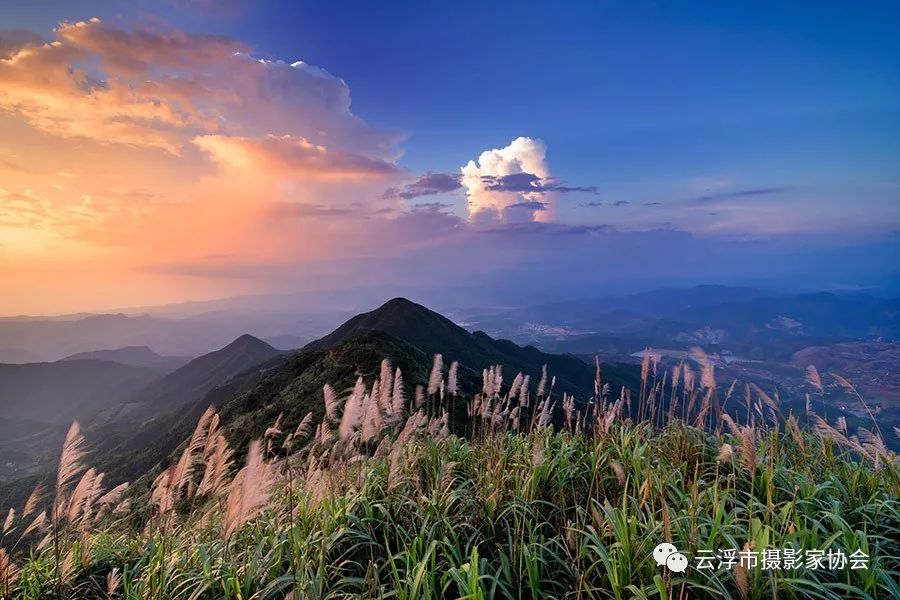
544	497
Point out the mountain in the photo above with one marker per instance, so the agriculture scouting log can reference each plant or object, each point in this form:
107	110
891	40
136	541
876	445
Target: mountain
752	323
196	378
250	393
433	333
819	314
61	391
138	356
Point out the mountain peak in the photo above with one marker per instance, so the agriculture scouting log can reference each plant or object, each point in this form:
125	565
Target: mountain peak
401	318
249	341
433	333
203	373
400	303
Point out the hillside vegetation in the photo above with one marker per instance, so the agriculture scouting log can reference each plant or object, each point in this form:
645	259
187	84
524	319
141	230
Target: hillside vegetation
373	494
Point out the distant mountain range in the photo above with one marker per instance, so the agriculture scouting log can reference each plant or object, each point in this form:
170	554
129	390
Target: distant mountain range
36	339
755	323
136	356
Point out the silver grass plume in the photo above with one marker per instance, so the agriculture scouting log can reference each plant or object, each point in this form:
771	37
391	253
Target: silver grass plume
217	461
331	403
113	581
70	459
434	380
707	374
748	449
9	575
352	410
813	378
420	396
497	384
80	495
161	491
542	384
842	424
725	453
619	471
397	399
250	490
38	524
515	385
386	380
452	384
372	423
37	495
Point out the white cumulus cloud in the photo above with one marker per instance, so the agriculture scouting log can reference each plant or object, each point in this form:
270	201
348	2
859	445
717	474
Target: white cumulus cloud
506	184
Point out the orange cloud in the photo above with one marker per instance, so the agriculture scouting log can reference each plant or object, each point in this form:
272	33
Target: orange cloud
131	150
292	156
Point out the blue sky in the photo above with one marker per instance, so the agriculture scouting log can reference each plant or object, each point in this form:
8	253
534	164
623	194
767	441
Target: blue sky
623	89
770	124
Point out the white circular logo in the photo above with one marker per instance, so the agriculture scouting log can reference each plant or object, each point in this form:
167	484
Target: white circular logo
677	562
662	552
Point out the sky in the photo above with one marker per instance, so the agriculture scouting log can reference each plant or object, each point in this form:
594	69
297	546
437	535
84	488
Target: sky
159	152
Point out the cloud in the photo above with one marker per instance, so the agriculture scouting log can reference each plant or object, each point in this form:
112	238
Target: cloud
513	183
429	184
164	88
432	207
291	156
545	229
13	40
300	210
741	194
530	205
125	147
528	183
598	204
523	157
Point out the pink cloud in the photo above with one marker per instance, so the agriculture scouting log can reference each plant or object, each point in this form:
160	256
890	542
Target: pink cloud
292	156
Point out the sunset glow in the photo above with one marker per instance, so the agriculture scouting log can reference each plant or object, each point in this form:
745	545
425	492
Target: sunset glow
143	161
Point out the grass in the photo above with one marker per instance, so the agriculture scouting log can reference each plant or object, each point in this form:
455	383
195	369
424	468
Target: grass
538	500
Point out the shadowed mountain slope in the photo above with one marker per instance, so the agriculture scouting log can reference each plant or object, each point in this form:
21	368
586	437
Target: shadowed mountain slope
59	392
202	374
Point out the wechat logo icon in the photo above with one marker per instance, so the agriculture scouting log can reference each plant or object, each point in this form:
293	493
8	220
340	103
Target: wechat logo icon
668	555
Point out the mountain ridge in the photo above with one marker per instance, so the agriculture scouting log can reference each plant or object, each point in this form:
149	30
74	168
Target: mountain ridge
196	378
138	356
